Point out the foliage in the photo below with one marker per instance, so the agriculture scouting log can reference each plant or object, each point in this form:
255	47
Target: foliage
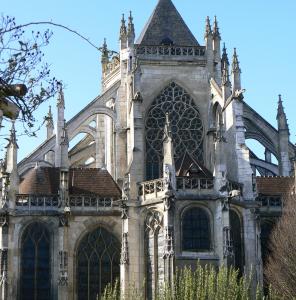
281	264
205	283
21	62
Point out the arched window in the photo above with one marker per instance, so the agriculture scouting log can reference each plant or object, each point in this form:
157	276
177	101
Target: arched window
237	240
196	231
35	263
98	263
154	243
186	124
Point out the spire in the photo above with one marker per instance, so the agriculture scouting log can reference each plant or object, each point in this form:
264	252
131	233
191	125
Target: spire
49	123
235	62
225	67
166	26
131	30
216	32
104	49
208	31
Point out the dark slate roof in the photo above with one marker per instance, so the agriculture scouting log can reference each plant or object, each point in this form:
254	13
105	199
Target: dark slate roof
86	181
275	185
166	26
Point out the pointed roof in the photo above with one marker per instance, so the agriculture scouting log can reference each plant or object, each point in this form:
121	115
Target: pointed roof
166	26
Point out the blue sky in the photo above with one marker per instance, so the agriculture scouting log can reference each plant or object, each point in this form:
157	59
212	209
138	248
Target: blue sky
263	31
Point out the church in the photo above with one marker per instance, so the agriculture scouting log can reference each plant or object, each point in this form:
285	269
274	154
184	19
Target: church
162	177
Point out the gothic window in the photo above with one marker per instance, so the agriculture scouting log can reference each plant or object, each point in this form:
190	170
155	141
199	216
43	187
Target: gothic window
35	263
154	246
196	231
186	124
98	263
236	237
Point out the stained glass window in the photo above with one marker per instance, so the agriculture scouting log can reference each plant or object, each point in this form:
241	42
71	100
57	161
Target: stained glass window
35	263
98	263
186	124
236	237
196	233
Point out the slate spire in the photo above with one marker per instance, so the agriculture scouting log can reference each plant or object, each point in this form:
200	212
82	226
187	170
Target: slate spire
166	26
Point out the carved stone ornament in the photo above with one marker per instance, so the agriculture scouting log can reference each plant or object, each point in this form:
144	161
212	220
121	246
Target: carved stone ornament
124	211
63	274
124	260
227	243
64	220
4	219
3	266
168	243
168	202
138	97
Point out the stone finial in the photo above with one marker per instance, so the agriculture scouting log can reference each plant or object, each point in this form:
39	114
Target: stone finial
281	115
49	123
104	49
61	99
12	139
216	32
208	31
225	67
235	62
123	32
131	27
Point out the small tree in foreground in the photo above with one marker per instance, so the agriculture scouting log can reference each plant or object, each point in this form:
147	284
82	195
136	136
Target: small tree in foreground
281	265
205	283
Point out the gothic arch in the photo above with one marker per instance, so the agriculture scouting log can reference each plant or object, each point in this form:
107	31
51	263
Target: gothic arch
97	263
186	124
203	235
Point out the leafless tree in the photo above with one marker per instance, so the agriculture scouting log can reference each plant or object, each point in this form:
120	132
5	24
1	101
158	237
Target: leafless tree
281	265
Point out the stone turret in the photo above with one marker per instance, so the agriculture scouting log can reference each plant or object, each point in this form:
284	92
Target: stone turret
11	167
49	124
284	134
123	34
217	51
236	73
59	127
209	46
226	84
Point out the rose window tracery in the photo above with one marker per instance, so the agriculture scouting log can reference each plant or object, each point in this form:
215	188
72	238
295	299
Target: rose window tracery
186	125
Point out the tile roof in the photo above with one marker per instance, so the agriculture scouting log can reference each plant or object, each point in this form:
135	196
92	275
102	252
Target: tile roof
166	26
86	181
275	185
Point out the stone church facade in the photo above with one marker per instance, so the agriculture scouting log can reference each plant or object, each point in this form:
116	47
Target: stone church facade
161	179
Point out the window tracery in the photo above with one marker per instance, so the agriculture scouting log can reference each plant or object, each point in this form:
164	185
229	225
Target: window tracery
98	263
35	263
186	125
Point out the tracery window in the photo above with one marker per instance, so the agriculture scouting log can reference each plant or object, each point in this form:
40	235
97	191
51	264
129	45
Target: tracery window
186	124
196	232
154	247
98	263
35	263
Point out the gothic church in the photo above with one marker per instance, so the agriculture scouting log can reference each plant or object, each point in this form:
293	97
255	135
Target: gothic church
162	177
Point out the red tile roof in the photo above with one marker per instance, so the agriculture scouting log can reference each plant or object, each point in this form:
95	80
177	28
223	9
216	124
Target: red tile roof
275	185
86	181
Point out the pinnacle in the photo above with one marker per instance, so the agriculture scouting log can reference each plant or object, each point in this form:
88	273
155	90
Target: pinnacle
216	32
208	27
235	62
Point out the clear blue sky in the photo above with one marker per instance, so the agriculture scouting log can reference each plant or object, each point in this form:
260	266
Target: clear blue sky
262	30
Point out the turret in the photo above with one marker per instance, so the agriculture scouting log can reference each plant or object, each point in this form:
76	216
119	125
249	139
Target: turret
105	56
11	166
209	46
226	84
49	124
169	171
284	134
236	73
123	34
217	50
60	126
130	31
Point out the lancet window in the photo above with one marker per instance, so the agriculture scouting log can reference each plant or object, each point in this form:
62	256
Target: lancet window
186	125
